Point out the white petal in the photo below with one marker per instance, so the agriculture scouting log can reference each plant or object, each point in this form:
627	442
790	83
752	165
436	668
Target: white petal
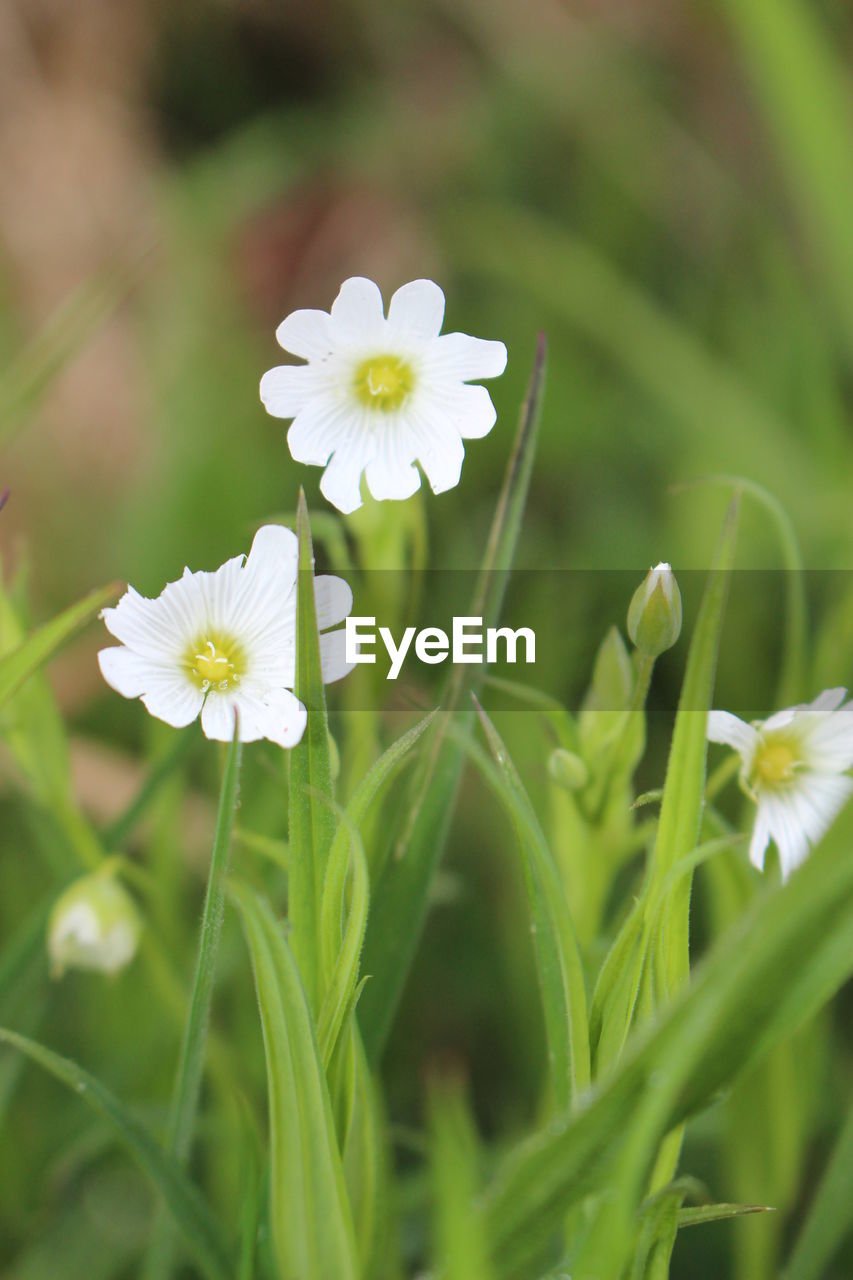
307	334
274	553
470	409
129	673
175	700
275	714
150	627
288	388
787	832
728	729
417	309
333	599
341	481
357	312
827	743
317	430
829	700
458	356
781	719
817	801
333	656
441	458
760	838
217	717
390	476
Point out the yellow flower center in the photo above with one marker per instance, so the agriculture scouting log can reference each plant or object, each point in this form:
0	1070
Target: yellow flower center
383	382
215	664
774	762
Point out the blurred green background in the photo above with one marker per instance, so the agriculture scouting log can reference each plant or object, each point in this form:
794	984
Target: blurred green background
665	188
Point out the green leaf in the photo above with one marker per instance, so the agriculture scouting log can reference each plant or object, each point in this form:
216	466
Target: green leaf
311	1222
36	649
341	953
830	1216
312	814
190	1214
701	1214
771	972
400	900
561	979
460	1248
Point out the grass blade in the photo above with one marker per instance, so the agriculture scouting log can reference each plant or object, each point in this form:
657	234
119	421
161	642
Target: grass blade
771	972
460	1249
561	978
37	648
312	813
188	1211
311	1221
400	899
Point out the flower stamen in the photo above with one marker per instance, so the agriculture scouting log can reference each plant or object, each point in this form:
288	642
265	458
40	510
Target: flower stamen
383	382
775	762
213	667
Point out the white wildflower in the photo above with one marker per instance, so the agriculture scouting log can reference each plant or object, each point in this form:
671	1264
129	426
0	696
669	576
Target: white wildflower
378	394
216	642
794	766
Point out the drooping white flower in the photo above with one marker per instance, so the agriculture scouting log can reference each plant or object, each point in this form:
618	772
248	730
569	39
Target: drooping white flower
794	766
213	642
379	394
93	925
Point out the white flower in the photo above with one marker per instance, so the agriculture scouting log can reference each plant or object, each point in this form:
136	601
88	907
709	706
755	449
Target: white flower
93	925
213	642
794	767
378	395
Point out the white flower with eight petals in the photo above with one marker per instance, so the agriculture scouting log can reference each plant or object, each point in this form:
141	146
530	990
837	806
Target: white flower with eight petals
794	766
216	642
378	394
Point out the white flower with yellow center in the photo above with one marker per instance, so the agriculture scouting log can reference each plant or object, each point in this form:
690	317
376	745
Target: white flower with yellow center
379	394
216	642
794	766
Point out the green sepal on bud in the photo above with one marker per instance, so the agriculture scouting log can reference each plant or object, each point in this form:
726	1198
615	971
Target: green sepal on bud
94	925
567	769
654	614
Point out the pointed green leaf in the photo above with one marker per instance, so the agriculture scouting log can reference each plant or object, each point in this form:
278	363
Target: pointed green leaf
561	979
310	1215
36	649
460	1248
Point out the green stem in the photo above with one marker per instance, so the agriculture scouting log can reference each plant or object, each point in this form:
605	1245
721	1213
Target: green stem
188	1081
191	1063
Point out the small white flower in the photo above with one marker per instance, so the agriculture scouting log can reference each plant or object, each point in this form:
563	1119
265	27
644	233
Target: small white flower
213	642
93	925
794	766
377	395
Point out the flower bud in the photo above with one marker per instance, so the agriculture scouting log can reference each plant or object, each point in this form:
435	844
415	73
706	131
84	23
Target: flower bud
94	925
654	615
567	769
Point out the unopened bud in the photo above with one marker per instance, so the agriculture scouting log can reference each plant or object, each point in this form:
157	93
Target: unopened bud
93	925
568	769
654	615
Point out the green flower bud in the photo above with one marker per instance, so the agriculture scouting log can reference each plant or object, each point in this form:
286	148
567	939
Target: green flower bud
654	615
568	769
94	925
